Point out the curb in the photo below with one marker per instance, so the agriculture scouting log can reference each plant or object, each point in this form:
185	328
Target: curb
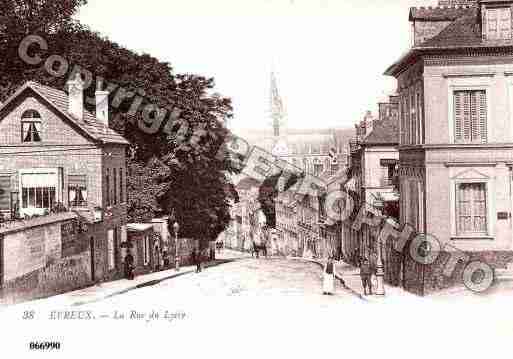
337	276
153	282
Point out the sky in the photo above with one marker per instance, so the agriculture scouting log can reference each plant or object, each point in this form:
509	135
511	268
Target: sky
329	56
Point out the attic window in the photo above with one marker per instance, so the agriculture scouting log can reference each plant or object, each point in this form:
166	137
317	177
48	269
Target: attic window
498	23
31	126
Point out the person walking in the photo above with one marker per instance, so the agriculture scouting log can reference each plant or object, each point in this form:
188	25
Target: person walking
328	282
366	274
129	266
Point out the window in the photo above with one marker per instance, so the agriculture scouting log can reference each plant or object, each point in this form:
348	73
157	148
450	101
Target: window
107	187
31	126
77	190
318	168
471	218
5	192
407	130
419	118
121	194
115	183
316	148
413	127
470	116
38	192
110	249
498	23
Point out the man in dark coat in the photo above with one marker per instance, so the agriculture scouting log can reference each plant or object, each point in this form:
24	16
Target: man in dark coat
366	274
129	266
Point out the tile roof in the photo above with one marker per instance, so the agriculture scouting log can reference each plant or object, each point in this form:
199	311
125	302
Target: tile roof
383	132
439	13
89	123
462	33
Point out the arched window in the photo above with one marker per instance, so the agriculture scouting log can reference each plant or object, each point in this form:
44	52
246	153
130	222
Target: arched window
31	126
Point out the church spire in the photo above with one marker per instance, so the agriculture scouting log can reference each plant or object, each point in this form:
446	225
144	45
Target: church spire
277	108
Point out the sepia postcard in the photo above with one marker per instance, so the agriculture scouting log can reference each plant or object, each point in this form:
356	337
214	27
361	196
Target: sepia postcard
256	178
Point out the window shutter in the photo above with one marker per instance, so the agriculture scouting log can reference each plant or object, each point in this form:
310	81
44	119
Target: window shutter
505	23
5	192
492	23
481	107
474	117
458	115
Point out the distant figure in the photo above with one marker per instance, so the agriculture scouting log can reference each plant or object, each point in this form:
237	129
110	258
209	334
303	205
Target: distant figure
157	258
196	259
366	274
165	256
129	266
328	283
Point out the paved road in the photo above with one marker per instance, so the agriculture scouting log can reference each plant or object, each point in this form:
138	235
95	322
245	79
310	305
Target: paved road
268	279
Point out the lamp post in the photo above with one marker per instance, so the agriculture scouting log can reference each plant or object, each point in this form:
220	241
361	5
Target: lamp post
380	268
176	227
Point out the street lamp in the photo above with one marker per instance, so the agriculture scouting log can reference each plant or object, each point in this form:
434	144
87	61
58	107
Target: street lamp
176	227
380	268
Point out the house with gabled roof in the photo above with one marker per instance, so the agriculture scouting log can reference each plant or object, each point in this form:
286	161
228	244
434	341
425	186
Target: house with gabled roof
455	88
56	155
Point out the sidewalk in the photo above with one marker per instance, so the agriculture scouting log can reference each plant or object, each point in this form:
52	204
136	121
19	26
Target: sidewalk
106	290
351	277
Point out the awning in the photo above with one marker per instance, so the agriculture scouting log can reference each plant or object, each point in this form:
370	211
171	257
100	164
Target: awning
34	180
388	162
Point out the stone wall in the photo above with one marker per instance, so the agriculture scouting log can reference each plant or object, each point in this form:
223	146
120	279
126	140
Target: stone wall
43	261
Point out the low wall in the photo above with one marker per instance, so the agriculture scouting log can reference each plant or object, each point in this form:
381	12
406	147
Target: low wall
428	279
44	260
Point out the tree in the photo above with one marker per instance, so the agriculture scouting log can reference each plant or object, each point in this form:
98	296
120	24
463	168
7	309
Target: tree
175	170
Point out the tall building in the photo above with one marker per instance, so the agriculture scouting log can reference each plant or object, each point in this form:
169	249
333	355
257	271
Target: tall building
456	135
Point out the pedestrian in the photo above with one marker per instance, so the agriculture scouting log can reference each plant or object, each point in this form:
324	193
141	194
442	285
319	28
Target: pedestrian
129	266
328	282
366	274
195	260
165	256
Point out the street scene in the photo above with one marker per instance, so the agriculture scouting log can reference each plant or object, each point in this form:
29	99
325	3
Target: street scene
288	177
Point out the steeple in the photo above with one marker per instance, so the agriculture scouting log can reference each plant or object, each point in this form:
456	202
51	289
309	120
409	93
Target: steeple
277	108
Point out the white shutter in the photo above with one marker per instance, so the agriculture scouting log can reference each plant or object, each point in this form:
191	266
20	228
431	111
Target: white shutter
458	115
505	23
481	107
492	25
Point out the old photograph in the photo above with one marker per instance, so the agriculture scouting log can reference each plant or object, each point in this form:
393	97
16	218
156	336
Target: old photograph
256	178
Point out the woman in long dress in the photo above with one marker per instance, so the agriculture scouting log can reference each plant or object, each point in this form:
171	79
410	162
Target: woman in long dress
328	282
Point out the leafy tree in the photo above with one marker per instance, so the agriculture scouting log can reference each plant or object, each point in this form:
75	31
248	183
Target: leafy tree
169	171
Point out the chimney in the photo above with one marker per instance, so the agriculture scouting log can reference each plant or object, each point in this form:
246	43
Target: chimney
102	104
76	97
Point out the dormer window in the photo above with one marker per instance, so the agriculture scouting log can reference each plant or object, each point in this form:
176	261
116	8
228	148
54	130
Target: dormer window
498	23
31	126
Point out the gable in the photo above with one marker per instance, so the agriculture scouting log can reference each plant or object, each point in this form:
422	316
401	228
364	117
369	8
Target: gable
56	129
471	174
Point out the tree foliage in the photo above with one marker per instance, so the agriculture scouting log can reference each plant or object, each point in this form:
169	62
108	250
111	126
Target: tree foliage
175	171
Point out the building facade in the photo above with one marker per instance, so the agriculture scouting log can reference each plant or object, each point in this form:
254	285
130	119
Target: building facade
56	156
456	134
